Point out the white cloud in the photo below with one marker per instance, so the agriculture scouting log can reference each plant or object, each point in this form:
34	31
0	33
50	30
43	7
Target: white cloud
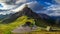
34	5
58	1
54	9
23	1
7	7
19	8
48	3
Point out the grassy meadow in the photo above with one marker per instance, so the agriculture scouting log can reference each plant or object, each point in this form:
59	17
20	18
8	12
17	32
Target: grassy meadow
7	28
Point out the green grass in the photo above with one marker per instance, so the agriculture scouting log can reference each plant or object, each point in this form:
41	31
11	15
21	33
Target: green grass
7	28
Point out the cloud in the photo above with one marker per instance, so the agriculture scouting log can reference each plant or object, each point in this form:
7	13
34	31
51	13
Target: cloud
7	7
23	1
35	6
53	10
58	1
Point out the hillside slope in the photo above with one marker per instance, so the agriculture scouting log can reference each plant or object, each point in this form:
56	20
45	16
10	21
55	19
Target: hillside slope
19	18
7	28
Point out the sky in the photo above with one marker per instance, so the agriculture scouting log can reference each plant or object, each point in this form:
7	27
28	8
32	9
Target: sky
42	2
35	5
45	2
